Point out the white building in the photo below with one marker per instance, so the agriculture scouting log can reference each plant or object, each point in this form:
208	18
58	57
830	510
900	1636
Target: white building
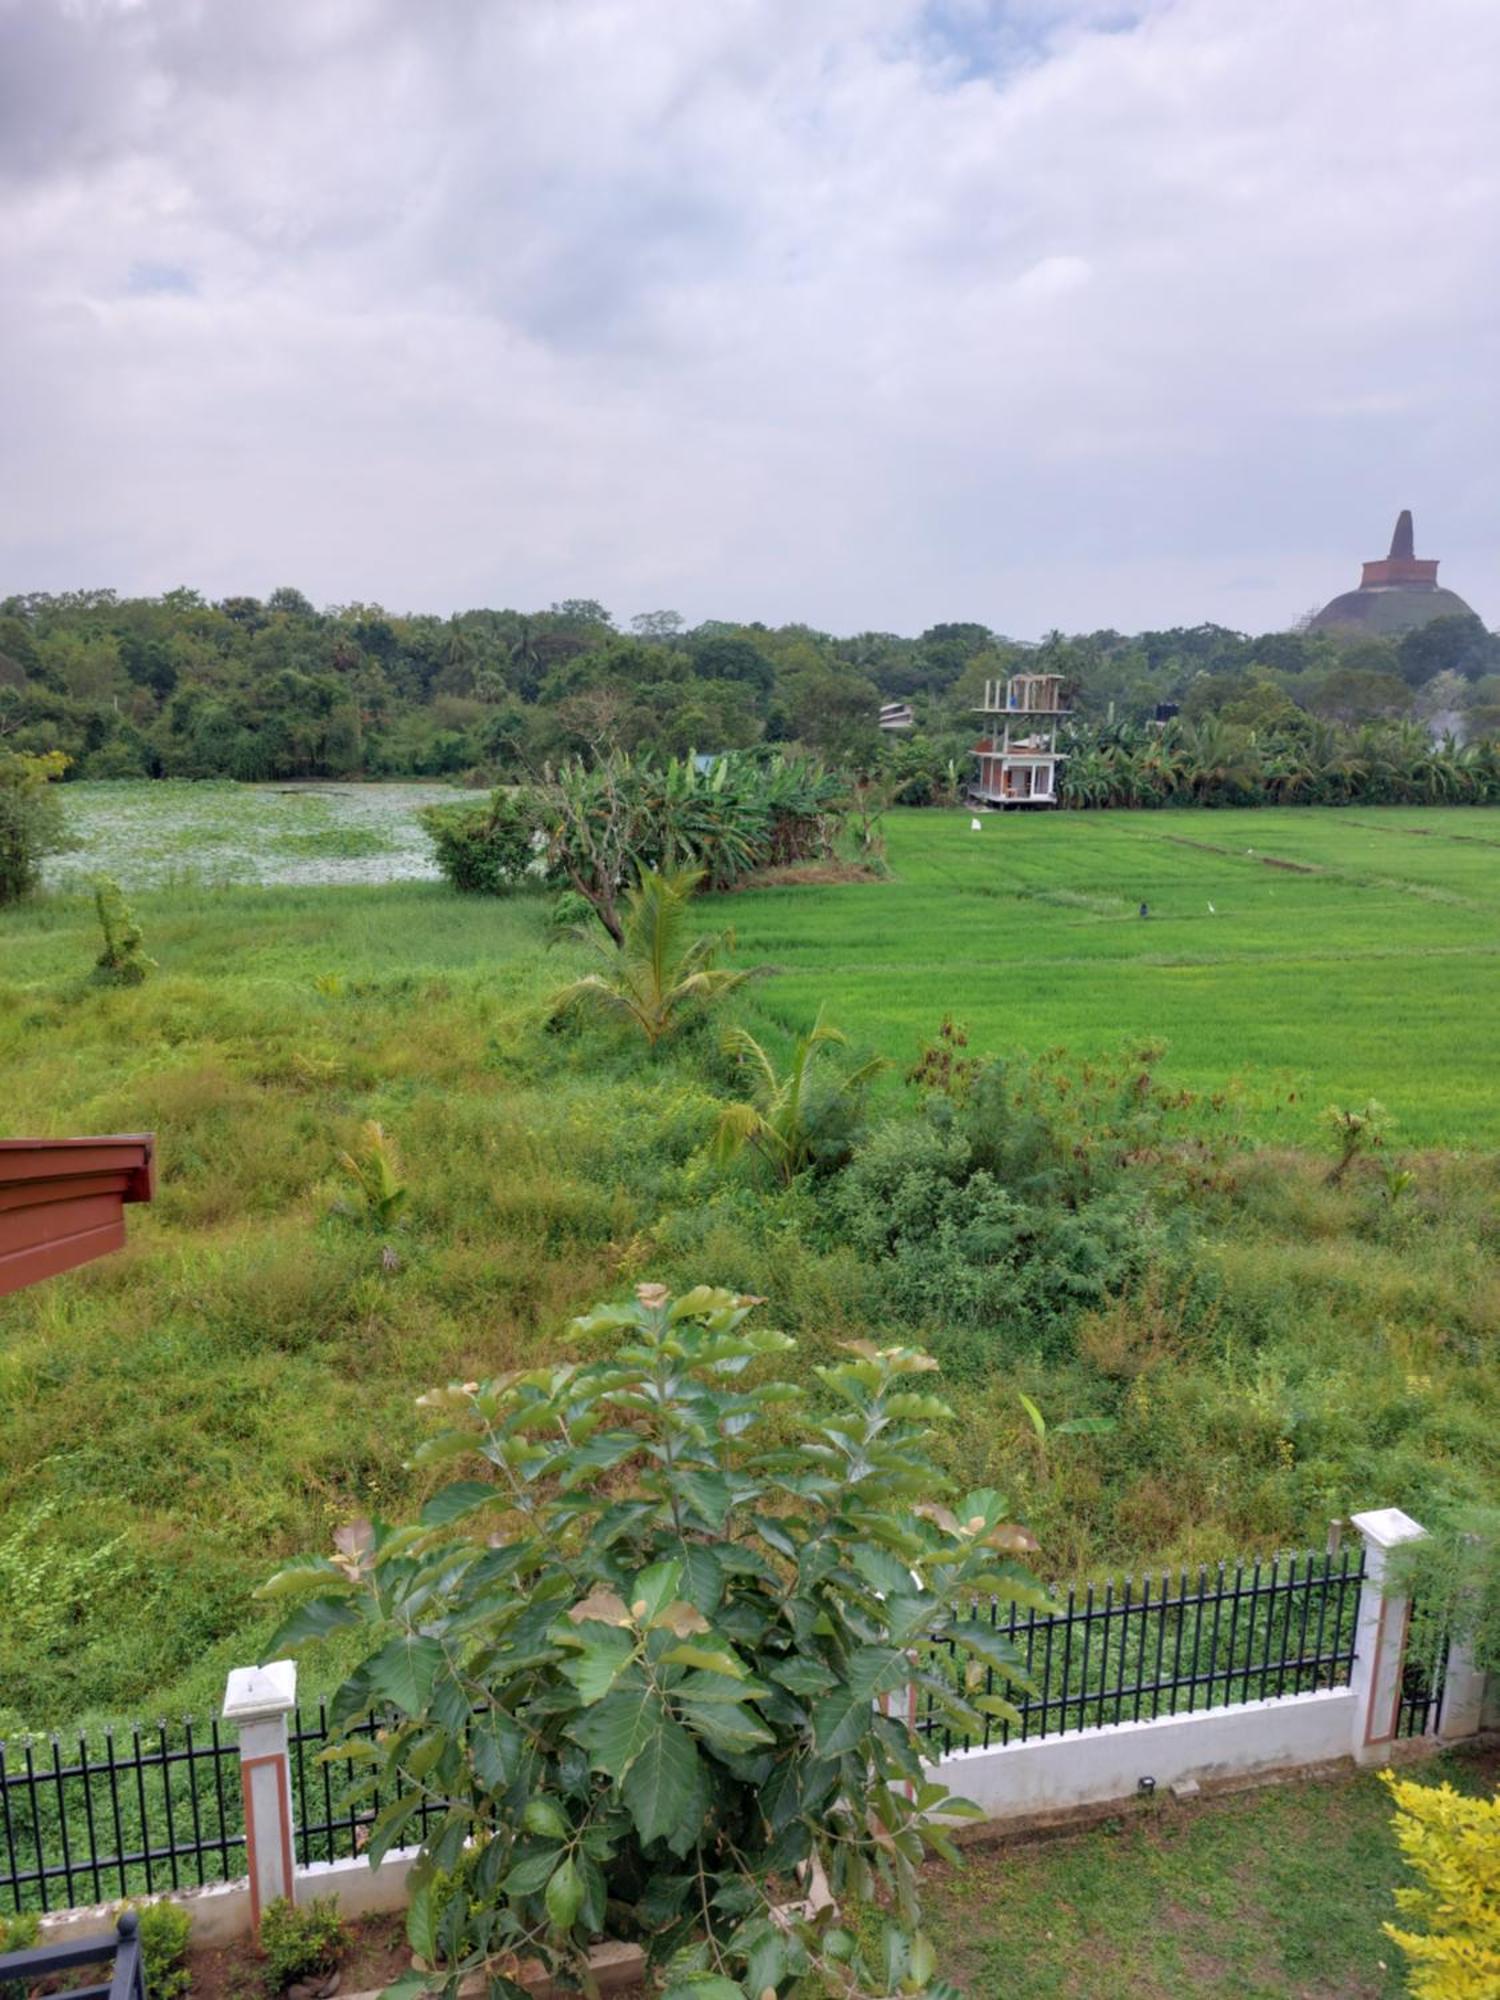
1017	758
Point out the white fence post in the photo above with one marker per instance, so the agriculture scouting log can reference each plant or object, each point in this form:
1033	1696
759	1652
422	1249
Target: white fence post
1380	1636
259	1700
1462	1713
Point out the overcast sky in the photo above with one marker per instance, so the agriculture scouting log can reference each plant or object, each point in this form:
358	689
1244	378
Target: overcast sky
864	312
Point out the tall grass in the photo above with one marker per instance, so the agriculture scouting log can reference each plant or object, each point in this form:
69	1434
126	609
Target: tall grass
242	1378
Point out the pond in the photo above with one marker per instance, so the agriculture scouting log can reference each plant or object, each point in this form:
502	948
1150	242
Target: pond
145	835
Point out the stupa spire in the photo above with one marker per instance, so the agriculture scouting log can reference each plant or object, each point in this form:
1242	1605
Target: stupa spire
1403	544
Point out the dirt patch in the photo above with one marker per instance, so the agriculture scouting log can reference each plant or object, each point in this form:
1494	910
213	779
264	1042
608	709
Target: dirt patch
809	875
1295	867
379	1955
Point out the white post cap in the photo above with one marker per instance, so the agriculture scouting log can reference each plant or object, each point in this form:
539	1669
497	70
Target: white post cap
252	1693
1388	1527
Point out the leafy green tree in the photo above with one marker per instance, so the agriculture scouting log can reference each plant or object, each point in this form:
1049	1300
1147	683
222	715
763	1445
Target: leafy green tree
31	819
636	1662
656	974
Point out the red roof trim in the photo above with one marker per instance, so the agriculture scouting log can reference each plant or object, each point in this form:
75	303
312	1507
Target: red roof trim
62	1201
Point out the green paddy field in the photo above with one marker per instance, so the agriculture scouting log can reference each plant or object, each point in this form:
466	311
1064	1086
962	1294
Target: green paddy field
1307	956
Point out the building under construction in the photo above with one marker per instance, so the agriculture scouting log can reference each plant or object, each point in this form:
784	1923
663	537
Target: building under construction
1017	757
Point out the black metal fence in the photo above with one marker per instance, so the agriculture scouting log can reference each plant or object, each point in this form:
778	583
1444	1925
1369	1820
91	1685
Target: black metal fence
1141	1648
132	1812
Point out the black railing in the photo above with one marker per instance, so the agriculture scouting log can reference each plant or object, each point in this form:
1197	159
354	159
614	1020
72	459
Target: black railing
1138	1649
139	1811
129	1814
48	1966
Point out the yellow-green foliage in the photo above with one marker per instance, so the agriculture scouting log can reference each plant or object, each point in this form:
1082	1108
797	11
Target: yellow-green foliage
1453	1845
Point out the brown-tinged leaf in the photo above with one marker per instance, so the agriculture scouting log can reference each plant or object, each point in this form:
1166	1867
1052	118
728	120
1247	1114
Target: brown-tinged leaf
652	1296
944	1517
600	1607
1012	1538
683	1620
353	1545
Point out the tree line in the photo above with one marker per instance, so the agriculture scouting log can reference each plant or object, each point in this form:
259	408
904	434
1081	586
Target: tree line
269	689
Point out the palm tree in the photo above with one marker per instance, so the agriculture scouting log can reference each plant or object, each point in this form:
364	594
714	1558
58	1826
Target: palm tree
654	976
795	1119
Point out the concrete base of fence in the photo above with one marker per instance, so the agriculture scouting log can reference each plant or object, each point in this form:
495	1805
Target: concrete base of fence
221	1912
1097	1765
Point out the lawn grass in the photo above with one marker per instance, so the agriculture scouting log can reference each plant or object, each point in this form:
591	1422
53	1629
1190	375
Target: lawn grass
176	1420
1376	972
1276	1894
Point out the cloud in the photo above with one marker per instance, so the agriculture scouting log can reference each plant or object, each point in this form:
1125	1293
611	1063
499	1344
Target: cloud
872	313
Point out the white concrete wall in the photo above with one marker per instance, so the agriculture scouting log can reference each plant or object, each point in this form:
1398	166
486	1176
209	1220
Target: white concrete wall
1098	1765
221	1912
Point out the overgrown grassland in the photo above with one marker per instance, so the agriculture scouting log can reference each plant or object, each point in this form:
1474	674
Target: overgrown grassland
242	1378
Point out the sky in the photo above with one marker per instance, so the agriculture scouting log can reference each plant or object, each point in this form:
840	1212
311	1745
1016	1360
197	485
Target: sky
868	313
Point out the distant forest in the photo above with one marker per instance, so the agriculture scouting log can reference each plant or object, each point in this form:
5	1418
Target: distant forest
252	689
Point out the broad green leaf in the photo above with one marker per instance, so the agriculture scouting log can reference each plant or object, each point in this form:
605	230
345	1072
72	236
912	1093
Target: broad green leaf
564	1897
421	1921
705	1986
616	1729
654	1588
542	1816
842	1718
389	1826
726	1727
708	1493
313	1620
403	1670
532	1872
595	1670
710	1661
804	1676
665	1788
457	1500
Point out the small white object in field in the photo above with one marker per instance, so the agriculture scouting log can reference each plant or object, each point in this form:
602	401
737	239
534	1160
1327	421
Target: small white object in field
975	825
1212	911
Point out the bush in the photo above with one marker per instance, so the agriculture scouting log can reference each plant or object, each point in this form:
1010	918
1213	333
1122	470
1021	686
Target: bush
485	850
1453	1844
18	1933
165	1929
31	820
123	961
957	1249
641	1658
301	1941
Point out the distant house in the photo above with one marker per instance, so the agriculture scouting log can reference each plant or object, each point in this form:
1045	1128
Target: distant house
1017	759
896	715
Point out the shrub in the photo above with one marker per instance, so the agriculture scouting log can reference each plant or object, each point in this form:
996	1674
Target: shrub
164	1931
31	820
123	961
958	1250
485	850
301	1941
1452	1843
640	1658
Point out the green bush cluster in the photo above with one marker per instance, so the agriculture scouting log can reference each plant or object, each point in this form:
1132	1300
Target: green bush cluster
301	1940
